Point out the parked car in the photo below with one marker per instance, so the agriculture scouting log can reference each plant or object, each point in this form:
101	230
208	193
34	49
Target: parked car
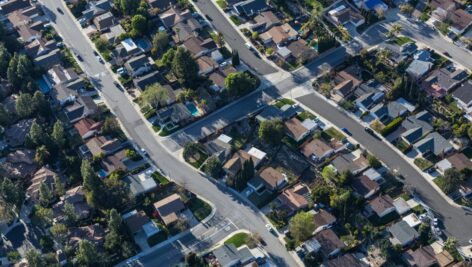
99	59
60	11
371	132
346	131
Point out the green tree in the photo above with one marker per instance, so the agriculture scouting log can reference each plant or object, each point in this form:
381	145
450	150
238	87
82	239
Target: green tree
45	194
321	194
155	95
42	155
23	105
35	259
193	260
114	222
139	25
190	149
326	88
58	134
11	192
160	42
213	167
44	215
271	131
240	83
128	7
70	215
59	188
301	226
395	29
111	127
5	57
168	57
219	39
59	232
452	180
235	61
373	161
40	104
340	200
185	68
36	134
20	70
406	9
329	174
87	254
113	241
5	117
90	183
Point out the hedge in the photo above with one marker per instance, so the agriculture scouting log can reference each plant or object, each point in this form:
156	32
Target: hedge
392	126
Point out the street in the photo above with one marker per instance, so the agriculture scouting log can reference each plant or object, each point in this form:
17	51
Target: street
228	204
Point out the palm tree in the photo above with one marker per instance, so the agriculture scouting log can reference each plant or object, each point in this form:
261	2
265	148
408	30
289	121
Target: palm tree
395	29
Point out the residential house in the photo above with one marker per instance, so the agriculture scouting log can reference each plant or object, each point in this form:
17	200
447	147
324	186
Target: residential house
95	8
371	5
112	36
433	143
161	4
317	150
83	106
131	47
250	8
402	234
220	147
296	130
279	34
330	243
13	5
101	146
269	179
64	94
256	154
235	164
39	47
173	16
104	21
374	175
141	183
218	79
75	197
87	127
354	162
416	126
423	256
139	65
458	161
284	53
139	224
460	20
15	135
389	111
48	59
148	79
381	205
294	198
198	46
114	162
184	30
174	115
43	176
323	220
366	101
365	187
463	96
58	74
343	14
301	51
421	64
93	233
272	112
30	32
443	80
264	21
401	206
345	84
169	208
19	164
206	65
346	260
398	53
228	255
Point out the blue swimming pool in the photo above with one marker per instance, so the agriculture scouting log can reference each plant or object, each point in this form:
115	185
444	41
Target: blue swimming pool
193	109
43	85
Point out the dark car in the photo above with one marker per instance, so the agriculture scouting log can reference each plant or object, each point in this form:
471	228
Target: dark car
95	53
346	131
60	10
79	57
208	18
447	54
118	85
371	132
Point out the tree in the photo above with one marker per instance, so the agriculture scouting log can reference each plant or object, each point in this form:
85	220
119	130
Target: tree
139	25
90	183
373	161
114	222
185	68
59	232
271	131
111	127
443	28
58	134
23	105
20	70
406	9
113	241
40	104
168	57
5	57
36	134
255	35
213	167
452	179
339	200
190	149
70	215
301	226
219	39
42	155
59	188
321	194
239	83
127	7
425	234
329	174
5	117
246	173
35	259
155	95
11	192
45	194
193	260
160	42
44	215
326	88
395	29
87	254
235	58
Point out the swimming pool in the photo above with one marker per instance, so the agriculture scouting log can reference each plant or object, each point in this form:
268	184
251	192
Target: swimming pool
193	109
43	85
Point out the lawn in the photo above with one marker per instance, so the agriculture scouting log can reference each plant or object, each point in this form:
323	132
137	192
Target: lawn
333	133
222	4
199	208
158	178
423	164
235	20
402	145
305	115
197	159
238	239
284	101
262	199
401	40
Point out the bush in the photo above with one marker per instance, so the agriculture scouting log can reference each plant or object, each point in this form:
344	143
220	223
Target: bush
392	126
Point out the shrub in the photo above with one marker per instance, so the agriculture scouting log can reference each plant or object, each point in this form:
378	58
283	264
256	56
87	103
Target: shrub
392	126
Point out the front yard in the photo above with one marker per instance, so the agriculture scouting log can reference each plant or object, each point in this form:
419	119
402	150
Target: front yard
423	164
199	208
238	239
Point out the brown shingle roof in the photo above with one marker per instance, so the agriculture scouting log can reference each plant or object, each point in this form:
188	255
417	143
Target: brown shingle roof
271	177
235	164
364	185
86	125
460	19
460	161
323	217
329	241
294	197
136	221
169	208
295	128
381	203
93	233
315	147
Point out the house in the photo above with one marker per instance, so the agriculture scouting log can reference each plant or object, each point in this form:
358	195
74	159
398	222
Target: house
75	197
250	8
330	243
58	74
374	175
138	223
388	112
42	176
141	183
301	51
401	206
31	32
423	256
48	59
279	34
101	146
345	84
295	129
112	36
433	143
269	179
93	233
272	112
443	80
130	47
416	126
458	161
161	4
173	16
228	255
184	30
264	21
13	5
412	220
398	53
220	147
95	8
146	80
311	245
198	46
169	208
206	65
19	164
87	127
421	64
402	234
104	21
81	107
365	187
463	96
372	5
39	47
139	65
218	79
346	260
366	101
235	164
354	162
114	162
460	20
344	14
174	115
294	198
15	135
323	220
381	205
317	150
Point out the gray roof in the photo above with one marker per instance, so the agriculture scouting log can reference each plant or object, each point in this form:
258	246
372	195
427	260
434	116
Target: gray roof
228	255
447	77
418	68
146	80
250	7
403	232
136	62
417	126
464	92
434	143
391	110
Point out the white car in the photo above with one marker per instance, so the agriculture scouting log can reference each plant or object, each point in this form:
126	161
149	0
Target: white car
269	228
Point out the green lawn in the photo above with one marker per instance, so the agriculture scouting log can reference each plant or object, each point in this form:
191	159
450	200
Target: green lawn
199	208
284	101
402	145
333	133
158	178
222	3
423	164
235	20
401	40
305	115
238	239
197	159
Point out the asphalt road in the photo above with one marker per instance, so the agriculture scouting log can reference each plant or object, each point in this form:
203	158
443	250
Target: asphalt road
228	205
232	37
